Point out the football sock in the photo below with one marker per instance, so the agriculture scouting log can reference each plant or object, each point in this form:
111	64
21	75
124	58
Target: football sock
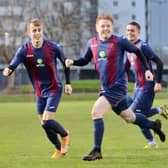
98	132
143	122
52	136
153	112
52	124
147	134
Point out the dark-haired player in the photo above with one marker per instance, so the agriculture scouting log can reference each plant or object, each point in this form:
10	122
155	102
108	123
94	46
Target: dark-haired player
144	91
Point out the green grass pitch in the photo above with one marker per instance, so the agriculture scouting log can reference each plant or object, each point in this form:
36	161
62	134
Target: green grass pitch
23	144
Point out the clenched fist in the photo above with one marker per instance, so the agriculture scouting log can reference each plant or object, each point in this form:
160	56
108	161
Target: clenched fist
68	62
7	72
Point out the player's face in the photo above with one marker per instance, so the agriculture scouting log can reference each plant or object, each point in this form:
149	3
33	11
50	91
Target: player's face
132	33
104	29
36	35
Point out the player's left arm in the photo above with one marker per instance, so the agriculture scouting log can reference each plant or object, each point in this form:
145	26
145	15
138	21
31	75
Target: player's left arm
61	56
68	88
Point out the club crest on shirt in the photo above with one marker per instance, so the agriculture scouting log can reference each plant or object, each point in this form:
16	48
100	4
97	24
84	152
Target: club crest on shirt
93	45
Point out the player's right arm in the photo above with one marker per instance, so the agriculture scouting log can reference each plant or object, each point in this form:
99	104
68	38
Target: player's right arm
7	71
84	60
18	58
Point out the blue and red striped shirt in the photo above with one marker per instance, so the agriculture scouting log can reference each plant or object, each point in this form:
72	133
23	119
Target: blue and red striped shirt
138	68
109	60
41	65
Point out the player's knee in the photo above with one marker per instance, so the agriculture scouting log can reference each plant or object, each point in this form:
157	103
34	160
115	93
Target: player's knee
128	118
96	114
45	124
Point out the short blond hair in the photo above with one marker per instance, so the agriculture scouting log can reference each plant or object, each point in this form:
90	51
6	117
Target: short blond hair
104	16
35	22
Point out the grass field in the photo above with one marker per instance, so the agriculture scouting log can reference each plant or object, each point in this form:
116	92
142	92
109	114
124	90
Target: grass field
23	144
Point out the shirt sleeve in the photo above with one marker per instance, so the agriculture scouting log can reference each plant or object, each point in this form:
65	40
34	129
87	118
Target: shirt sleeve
62	59
128	46
86	57
17	59
150	54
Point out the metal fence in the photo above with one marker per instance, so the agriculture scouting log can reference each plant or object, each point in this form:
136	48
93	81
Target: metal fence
77	73
21	76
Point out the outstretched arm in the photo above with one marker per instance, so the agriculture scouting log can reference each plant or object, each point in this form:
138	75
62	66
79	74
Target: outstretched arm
84	60
150	54
159	71
7	71
148	73
18	58
68	88
128	46
142	58
62	58
79	62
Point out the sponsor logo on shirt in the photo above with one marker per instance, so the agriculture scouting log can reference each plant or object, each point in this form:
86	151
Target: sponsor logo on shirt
102	55
40	62
29	55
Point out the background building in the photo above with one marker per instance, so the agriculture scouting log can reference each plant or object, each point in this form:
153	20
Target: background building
158	27
152	16
124	12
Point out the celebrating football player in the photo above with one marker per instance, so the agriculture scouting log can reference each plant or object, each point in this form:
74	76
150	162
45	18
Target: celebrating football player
40	59
144	92
107	51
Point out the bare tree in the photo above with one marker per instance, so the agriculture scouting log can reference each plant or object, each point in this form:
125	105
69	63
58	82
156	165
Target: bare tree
61	18
66	21
11	31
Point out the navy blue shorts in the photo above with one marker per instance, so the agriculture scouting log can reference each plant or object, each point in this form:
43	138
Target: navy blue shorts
143	100
118	100
49	103
124	104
